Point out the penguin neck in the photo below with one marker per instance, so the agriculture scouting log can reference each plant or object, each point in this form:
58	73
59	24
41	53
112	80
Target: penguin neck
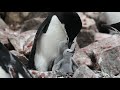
66	57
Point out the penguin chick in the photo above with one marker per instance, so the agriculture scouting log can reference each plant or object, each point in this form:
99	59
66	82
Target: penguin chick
61	47
65	65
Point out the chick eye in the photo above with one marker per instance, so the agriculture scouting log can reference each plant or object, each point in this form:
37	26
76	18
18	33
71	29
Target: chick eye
67	38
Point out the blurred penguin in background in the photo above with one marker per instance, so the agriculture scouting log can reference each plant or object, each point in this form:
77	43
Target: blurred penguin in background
10	66
109	22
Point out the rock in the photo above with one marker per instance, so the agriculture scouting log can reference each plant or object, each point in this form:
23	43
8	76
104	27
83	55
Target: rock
21	57
4	34
32	24
2	15
85	38
34	73
25	14
3	37
98	73
102	45
21	42
84	72
93	15
87	23
81	58
101	36
81	55
16	20
13	17
110	61
3	24
37	14
49	74
14	40
28	45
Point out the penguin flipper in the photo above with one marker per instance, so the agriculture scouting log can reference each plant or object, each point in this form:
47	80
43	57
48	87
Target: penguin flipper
74	65
12	72
20	68
51	65
57	66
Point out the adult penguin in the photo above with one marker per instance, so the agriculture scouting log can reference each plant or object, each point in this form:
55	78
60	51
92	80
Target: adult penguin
10	66
109	22
57	27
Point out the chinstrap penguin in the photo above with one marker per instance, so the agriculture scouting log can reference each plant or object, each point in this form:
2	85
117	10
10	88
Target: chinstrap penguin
109	22
57	27
10	66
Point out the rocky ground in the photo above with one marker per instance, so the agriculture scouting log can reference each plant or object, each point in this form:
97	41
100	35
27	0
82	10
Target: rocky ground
96	54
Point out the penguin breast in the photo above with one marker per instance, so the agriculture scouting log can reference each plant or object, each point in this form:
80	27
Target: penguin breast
50	40
47	45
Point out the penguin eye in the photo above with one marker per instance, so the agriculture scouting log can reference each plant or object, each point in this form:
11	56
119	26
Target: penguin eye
67	38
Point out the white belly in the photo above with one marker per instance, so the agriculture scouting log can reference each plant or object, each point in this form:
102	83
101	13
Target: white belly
47	46
3	74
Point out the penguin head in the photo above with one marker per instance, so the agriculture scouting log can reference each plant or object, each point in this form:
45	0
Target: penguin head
68	53
72	23
109	18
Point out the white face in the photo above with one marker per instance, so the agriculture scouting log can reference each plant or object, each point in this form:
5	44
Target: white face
68	52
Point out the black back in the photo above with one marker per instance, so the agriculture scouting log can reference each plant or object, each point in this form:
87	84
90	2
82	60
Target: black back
104	28
72	23
13	64
116	26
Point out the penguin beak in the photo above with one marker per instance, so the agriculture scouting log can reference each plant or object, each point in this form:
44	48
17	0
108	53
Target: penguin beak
73	51
69	45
